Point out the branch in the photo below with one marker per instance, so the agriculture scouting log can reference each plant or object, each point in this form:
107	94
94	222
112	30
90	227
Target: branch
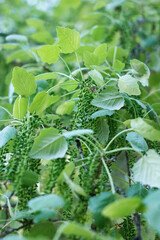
137	221
11	230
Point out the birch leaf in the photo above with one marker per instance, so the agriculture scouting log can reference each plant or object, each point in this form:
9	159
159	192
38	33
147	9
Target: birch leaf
147	169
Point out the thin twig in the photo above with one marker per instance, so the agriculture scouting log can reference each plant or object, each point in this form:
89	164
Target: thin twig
11	230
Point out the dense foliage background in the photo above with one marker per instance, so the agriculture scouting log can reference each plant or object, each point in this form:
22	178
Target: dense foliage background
79	119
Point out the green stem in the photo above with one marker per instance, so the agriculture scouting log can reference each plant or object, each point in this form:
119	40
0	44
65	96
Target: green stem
69	93
66	66
104	164
65	75
126	130
124	149
7	111
98	144
85	145
79	66
109	175
114	56
52	88
78	70
6	97
85	138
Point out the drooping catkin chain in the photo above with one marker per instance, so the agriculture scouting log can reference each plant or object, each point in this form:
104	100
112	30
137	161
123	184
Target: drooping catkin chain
20	162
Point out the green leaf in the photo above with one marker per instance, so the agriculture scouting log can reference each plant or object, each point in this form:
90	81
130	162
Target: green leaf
116	53
49	145
90	59
141	71
44	214
97	203
121	208
97	77
41	231
78	132
46	76
20	107
10	46
102	130
43	37
36	23
102	113
49	53
152	114
41	101
65	108
75	188
29	178
152	213
98	32
23	82
72	228
69	168
51	117
137	190
50	201
96	58
101	53
118	65
129	85
69	40
6	134
69	85
20	56
146	128
16	37
108	100
82	49
146	169
137	142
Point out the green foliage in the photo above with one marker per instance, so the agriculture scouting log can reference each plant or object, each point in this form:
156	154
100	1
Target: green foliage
41	101
129	85
49	53
20	107
23	82
79	120
118	209
146	170
48	145
69	40
137	142
146	128
6	134
109	99
152	214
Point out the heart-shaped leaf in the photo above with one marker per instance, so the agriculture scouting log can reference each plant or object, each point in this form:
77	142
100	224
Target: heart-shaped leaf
147	169
49	145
